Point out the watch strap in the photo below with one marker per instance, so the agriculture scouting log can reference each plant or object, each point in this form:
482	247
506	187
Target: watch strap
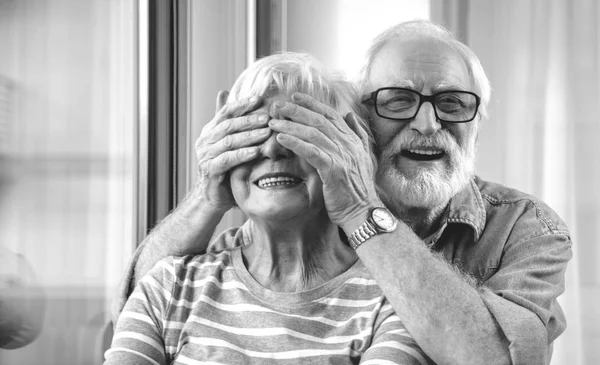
362	234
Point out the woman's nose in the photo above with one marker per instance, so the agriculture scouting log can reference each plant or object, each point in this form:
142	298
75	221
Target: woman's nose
273	150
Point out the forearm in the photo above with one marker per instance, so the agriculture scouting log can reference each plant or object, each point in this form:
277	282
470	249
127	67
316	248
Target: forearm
186	230
440	307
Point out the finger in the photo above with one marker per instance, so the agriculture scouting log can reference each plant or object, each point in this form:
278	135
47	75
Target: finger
283	110
311	153
312	104
230	159
359	129
238	140
308	134
221	100
233	109
236	125
239	107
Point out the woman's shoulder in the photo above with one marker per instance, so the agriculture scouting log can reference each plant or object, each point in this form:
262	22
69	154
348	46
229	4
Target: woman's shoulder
231	238
183	275
209	262
191	266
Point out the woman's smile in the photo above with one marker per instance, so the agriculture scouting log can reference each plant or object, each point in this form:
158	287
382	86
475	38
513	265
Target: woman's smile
278	181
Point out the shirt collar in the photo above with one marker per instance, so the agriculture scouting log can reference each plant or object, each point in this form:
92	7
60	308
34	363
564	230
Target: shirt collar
466	207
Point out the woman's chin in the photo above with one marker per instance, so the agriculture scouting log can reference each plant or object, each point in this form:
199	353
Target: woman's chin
281	211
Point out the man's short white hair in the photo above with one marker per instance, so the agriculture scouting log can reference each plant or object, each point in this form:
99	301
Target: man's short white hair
427	29
289	72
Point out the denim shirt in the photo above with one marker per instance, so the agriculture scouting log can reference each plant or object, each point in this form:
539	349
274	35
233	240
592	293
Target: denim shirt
517	248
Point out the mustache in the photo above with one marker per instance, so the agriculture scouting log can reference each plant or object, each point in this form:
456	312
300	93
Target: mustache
411	139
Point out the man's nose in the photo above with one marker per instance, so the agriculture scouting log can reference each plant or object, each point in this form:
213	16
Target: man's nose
273	150
425	121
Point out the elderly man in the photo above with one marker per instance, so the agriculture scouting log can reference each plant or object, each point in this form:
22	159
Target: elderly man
472	268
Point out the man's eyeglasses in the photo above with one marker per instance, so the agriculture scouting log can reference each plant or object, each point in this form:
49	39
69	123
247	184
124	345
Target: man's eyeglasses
451	106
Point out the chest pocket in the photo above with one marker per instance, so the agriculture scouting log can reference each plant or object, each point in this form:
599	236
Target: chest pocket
480	271
479	259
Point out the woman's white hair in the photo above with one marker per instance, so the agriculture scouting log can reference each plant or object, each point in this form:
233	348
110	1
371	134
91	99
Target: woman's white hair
427	29
289	72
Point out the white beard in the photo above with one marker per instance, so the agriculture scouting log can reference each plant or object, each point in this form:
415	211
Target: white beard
424	187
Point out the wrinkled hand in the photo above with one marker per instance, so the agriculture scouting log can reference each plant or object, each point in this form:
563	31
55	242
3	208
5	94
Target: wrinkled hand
337	148
228	140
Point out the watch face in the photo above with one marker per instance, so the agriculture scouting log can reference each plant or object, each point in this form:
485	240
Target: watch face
383	219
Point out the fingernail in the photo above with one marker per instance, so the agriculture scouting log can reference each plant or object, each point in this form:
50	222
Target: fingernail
280	104
262	118
296	97
253	99
274	122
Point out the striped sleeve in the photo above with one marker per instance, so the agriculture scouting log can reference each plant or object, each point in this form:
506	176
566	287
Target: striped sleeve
227	240
392	344
138	334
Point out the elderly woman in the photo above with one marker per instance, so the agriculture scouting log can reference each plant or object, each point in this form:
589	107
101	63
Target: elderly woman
289	289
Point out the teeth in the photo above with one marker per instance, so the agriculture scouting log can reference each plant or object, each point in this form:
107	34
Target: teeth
276	181
426	152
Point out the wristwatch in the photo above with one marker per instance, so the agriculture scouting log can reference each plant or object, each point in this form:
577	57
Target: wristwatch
379	220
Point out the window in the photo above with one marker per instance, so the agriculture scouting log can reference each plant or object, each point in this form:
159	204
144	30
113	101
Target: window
224	36
68	123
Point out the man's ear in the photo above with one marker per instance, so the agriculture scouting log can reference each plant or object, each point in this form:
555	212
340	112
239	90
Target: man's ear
478	119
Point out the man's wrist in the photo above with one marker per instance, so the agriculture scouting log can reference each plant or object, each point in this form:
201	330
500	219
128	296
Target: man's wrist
379	221
353	221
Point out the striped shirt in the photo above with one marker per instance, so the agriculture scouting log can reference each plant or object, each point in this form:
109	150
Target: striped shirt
208	309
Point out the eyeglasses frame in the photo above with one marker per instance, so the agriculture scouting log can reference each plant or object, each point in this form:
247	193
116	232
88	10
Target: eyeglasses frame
422	99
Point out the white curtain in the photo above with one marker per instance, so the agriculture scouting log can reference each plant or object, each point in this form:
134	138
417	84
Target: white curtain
68	116
543	59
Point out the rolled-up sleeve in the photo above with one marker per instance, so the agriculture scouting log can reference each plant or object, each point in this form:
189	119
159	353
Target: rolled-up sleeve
522	296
